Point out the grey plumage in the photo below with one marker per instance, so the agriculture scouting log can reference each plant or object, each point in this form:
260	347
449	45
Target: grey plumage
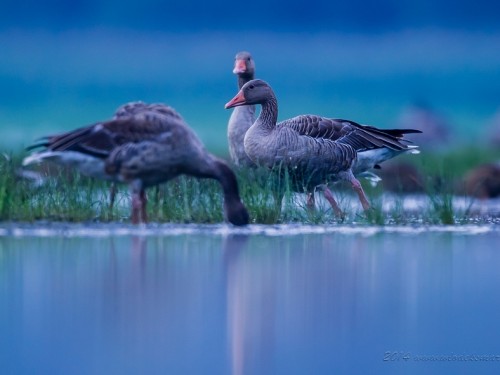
63	148
315	150
242	117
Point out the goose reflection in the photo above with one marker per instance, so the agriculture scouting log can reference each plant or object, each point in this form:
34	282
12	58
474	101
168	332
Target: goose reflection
251	310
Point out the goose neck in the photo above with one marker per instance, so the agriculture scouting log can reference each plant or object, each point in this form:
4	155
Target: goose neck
269	114
228	182
219	170
234	210
244	78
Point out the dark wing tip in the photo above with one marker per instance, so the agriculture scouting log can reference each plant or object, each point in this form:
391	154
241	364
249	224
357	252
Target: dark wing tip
40	142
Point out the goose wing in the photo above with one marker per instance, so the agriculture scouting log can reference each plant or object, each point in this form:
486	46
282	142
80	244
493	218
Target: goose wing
360	137
100	139
134	108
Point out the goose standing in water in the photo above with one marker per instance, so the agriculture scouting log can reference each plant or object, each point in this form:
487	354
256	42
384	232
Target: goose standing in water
316	150
242	117
143	145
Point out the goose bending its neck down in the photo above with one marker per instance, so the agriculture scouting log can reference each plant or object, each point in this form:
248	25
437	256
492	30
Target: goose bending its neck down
145	145
242	117
316	150
59	150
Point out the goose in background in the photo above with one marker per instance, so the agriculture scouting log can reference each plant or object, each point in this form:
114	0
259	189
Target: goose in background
316	150
242	117
483	181
143	145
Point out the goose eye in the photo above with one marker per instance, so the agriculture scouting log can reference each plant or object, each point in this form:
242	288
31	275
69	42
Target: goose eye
251	87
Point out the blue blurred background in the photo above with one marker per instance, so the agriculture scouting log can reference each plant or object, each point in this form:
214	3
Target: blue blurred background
66	64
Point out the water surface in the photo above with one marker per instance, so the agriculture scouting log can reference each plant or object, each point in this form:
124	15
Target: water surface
185	299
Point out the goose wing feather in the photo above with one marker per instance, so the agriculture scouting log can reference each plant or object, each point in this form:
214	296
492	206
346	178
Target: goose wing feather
134	108
101	138
360	137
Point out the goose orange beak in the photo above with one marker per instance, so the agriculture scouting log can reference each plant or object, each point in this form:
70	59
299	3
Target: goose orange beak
239	67
238	100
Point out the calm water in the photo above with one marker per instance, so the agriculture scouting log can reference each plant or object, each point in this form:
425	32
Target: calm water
262	300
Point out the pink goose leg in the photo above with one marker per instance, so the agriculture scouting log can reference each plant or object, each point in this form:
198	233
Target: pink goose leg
329	197
144	203
356	185
310	202
136	208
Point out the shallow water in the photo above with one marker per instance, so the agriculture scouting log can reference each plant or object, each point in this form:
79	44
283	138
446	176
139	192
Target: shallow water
285	299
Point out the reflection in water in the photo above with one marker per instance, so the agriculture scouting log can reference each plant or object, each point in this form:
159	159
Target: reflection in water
247	304
251	299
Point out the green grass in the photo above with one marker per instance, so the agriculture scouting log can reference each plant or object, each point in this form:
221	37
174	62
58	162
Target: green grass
69	197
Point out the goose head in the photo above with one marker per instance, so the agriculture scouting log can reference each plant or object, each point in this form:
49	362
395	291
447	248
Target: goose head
244	64
236	213
255	91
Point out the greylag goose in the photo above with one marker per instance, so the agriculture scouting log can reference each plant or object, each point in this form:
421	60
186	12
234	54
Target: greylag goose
316	150
242	117
89	164
144	145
